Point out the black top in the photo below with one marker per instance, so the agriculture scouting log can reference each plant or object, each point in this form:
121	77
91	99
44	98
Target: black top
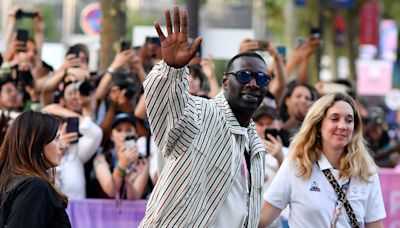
32	204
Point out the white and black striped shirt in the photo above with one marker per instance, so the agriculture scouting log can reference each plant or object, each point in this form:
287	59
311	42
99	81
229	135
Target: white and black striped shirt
202	158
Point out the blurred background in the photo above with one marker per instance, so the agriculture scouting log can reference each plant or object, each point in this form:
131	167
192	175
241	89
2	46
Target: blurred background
350	29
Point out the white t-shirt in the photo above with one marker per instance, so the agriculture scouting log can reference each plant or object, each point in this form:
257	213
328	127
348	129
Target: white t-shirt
312	201
235	208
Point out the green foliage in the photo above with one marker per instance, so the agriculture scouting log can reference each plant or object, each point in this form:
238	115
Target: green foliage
52	32
390	10
220	68
274	19
134	17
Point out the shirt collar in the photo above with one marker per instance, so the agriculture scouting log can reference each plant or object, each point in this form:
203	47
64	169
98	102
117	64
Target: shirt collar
222	103
234	125
324	163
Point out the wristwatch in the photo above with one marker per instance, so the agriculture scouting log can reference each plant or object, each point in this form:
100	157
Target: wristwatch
110	70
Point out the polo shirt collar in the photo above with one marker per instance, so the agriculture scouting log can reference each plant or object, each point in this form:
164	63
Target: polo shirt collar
324	163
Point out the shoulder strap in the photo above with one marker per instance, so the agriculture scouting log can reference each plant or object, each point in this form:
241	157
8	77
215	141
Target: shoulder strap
342	197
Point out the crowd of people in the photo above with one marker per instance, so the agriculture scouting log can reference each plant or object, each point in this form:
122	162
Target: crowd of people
157	125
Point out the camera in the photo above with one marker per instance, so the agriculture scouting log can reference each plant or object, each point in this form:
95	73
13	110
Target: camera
21	14
84	87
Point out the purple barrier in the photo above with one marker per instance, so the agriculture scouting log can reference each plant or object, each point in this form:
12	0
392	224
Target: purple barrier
103	213
390	184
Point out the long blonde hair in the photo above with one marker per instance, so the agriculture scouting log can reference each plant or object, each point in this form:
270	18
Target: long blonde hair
306	146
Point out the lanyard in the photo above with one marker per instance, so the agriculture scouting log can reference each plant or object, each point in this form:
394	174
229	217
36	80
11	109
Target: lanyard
339	204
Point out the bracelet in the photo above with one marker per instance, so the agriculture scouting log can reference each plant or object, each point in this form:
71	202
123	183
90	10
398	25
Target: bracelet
120	171
110	70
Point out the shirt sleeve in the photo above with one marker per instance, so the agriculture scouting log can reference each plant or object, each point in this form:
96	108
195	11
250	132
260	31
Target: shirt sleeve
279	192
375	206
90	140
171	110
33	206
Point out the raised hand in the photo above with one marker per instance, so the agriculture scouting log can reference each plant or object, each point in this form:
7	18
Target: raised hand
175	49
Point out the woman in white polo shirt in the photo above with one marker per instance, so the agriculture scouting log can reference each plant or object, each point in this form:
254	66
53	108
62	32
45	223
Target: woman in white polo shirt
328	152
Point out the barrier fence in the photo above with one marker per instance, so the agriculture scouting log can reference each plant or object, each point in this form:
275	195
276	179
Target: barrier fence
390	184
103	213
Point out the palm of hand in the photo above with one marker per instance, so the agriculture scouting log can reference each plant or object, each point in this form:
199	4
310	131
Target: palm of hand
178	45
175	49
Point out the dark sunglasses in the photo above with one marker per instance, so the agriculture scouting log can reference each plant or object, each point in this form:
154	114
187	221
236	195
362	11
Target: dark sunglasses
244	76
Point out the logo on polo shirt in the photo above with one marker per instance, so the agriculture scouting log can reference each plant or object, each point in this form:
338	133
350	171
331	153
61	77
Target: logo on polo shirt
314	187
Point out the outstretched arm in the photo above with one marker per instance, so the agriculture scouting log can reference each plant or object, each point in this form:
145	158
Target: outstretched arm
171	109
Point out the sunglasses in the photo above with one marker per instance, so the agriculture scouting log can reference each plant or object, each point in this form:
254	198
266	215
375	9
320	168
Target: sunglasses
243	77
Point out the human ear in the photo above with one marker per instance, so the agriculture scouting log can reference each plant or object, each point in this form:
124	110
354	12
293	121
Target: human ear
224	81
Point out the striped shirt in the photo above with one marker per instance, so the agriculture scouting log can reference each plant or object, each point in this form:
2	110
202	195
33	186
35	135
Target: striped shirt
202	158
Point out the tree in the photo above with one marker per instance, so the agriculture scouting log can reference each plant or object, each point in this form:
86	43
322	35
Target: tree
113	29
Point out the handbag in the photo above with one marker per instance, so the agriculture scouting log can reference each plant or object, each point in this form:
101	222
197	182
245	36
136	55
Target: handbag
342	197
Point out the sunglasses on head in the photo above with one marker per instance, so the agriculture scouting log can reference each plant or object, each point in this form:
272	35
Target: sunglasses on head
244	76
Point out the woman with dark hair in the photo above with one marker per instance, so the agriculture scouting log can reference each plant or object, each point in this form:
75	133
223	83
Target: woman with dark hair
119	170
295	103
30	151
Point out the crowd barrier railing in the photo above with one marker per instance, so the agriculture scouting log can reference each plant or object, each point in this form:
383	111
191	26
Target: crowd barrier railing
104	213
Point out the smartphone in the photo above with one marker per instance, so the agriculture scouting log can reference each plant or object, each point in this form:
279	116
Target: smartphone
130	141
125	45
281	50
263	45
73	125
330	87
22	35
21	14
272	131
153	40
315	32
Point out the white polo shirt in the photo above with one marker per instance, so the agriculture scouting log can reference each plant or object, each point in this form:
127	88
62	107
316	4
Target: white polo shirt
312	201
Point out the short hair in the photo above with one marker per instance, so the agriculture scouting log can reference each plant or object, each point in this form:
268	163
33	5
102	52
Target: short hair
265	110
306	146
244	54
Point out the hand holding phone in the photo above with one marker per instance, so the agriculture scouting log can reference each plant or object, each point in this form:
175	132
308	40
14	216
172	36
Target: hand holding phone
73	125
22	35
281	50
130	141
19	14
272	131
315	32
